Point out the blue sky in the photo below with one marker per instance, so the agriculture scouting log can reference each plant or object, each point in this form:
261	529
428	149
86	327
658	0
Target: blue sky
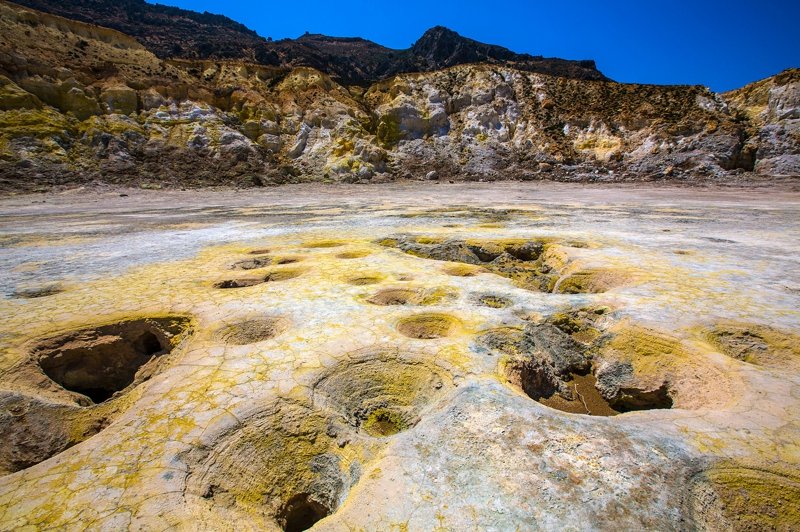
720	44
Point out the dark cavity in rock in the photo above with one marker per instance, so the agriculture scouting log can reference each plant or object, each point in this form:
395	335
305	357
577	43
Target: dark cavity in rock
301	513
98	362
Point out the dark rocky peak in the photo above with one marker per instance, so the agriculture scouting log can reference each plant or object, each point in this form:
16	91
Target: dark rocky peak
444	46
441	47
175	33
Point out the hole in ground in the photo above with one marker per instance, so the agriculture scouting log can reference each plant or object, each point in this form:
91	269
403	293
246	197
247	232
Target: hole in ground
393	296
98	362
462	270
277	275
364	280
301	512
252	331
427	326
323	244
42	291
381	395
555	369
251	264
287	260
585	398
238	283
411	296
383	422
282	275
578	393
493	301
352	254
285	462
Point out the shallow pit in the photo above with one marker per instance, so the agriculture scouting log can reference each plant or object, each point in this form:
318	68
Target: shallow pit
740	498
427	326
592	281
353	254
282	275
411	296
287	260
322	244
245	282
37	292
756	344
238	283
379	393
394	296
253	330
462	270
262	251
364	280
252	264
493	301
98	362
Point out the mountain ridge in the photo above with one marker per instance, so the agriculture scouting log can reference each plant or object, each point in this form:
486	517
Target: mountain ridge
174	33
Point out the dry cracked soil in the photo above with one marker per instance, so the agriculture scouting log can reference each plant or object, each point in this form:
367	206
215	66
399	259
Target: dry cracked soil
453	357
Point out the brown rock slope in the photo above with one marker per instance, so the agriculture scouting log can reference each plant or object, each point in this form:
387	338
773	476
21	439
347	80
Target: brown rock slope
81	103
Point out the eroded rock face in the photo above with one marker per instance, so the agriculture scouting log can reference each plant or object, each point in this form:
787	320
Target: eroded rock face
111	110
773	107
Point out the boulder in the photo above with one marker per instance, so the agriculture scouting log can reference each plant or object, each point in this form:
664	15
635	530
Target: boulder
120	99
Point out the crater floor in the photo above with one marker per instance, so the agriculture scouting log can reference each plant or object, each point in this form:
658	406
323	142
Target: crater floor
472	356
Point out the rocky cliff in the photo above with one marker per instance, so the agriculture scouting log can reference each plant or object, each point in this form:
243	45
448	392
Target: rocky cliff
82	103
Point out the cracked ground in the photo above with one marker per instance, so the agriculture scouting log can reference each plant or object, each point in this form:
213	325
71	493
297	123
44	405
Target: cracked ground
458	357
